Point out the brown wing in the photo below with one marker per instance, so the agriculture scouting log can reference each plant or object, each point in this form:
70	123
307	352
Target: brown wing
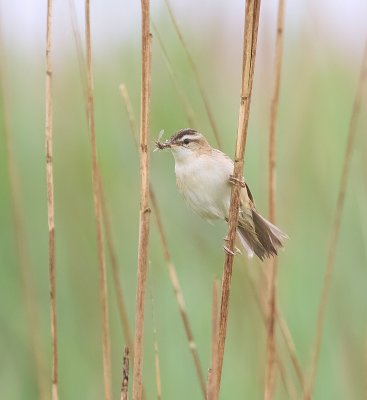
251	197
247	199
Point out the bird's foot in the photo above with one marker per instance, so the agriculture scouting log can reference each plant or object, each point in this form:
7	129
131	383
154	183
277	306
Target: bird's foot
235	181
230	252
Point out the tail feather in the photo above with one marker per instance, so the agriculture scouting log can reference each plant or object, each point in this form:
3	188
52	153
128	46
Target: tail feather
259	236
274	229
246	245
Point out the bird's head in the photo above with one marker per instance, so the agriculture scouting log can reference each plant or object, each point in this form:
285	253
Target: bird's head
185	143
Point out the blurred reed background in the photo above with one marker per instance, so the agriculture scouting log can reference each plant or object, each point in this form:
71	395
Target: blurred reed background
321	62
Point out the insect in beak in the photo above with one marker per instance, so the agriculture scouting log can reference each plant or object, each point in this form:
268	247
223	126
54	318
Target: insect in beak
162	145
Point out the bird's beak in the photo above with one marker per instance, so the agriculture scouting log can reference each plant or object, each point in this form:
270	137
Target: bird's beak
163	145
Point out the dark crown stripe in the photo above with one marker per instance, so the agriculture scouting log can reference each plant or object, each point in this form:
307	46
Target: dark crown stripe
184	132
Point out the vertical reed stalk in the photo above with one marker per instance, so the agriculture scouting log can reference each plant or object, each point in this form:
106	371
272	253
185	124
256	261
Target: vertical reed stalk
249	53
97	211
144	218
271	342
336	225
50	201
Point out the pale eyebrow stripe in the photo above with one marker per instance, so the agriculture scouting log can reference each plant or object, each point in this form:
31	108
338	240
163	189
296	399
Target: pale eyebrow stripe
191	137
185	132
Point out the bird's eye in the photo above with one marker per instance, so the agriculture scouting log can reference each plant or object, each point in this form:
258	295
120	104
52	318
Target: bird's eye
186	141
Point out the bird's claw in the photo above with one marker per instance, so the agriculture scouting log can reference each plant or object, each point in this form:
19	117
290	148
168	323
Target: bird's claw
230	252
235	181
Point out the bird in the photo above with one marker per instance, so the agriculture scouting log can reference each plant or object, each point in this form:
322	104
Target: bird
204	178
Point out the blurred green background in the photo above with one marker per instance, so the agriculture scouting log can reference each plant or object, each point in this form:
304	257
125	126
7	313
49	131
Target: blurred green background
322	56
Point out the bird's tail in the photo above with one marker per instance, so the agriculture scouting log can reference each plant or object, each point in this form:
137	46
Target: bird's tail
259	236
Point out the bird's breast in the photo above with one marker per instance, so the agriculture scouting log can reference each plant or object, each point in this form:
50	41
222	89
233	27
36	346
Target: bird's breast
203	182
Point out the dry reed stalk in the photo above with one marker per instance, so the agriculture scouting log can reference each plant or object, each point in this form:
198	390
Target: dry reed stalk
144	217
28	287
251	25
97	210
171	268
273	264
180	92
50	201
125	375
197	78
212	393
336	226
